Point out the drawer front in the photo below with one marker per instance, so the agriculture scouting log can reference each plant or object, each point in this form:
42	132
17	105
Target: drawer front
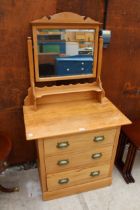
75	177
67	161
80	142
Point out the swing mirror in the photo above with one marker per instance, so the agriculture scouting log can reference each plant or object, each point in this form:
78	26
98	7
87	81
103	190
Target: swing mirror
65	52
64	48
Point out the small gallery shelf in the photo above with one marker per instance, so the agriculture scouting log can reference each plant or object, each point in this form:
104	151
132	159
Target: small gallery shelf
65	89
38	95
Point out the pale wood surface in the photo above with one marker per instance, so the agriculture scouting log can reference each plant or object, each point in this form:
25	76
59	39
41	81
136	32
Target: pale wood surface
36	63
31	62
100	53
78	160
30	98
80	142
77	189
41	164
100	57
58	78
63	93
57	98
77	176
64	17
62	89
114	150
71	117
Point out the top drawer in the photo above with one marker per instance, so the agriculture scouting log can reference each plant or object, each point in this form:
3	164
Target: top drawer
79	142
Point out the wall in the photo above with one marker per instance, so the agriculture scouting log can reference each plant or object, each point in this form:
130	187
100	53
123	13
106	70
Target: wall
120	74
15	17
121	65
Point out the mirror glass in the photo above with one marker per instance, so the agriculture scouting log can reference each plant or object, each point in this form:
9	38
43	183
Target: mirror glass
65	52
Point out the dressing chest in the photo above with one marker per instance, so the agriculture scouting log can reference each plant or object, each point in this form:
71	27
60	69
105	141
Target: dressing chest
76	128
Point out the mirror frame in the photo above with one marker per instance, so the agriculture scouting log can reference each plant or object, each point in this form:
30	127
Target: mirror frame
65	20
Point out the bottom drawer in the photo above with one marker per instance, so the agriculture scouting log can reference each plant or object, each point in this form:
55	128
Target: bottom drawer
75	177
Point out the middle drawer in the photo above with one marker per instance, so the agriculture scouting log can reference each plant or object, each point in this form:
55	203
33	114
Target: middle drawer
63	162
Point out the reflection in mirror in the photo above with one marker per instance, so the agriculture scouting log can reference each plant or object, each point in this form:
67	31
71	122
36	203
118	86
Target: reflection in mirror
65	52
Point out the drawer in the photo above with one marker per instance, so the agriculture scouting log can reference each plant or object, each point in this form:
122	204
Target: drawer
68	161
77	176
80	142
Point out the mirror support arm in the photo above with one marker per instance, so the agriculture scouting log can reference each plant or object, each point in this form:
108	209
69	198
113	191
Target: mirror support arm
31	69
100	53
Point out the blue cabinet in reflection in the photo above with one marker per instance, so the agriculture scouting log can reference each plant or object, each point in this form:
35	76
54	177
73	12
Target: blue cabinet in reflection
74	65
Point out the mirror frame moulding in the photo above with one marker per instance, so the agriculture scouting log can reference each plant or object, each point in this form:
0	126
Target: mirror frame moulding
65	20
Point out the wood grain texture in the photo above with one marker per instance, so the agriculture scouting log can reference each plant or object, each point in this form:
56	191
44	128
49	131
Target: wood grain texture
15	17
13	127
54	90
14	72
80	142
91	8
44	95
41	164
63	18
76	176
120	72
78	160
116	139
73	117
77	189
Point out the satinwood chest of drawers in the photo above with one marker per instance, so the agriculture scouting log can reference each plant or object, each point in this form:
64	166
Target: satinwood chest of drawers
76	147
76	128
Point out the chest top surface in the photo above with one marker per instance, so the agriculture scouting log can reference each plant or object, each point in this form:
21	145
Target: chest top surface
60	119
